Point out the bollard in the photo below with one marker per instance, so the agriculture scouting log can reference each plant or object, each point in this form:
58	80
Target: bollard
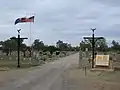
83	67
85	71
80	59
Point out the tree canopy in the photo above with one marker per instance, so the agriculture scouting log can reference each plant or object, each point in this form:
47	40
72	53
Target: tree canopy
100	45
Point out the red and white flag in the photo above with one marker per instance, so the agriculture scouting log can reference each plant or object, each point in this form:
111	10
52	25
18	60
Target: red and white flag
24	19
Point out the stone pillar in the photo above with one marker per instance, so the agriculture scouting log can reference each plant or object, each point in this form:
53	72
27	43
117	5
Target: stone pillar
80	58
111	63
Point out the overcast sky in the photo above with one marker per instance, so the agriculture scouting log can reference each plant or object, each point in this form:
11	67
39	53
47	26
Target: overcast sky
67	20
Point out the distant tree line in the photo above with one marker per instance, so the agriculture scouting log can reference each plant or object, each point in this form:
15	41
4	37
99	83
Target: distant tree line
100	45
10	45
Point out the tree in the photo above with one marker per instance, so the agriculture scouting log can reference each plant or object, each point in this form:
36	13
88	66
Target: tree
23	48
101	45
77	48
85	44
38	45
115	45
59	43
63	46
51	49
10	45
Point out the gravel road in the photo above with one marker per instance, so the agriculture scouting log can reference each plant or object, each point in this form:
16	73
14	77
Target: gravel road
47	77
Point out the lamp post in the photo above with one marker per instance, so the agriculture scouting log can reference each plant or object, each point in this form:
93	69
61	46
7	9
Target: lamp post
93	46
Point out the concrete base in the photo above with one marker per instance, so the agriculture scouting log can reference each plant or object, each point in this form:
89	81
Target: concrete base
101	69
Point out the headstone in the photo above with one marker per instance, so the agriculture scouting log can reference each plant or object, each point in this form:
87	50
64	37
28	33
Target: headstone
24	59
16	58
30	60
53	55
1	58
86	52
27	53
10	58
36	58
37	55
86	49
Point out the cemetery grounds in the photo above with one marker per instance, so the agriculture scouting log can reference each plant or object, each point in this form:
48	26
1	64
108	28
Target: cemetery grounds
77	78
38	58
74	78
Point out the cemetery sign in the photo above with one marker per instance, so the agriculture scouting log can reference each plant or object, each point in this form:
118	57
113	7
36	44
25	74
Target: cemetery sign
102	60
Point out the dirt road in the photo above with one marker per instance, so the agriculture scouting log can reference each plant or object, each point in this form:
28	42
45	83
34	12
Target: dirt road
46	77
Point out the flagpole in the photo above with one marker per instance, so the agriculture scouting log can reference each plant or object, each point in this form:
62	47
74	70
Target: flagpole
30	42
30	32
31	38
30	35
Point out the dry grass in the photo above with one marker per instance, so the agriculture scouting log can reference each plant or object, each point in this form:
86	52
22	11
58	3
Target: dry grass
97	80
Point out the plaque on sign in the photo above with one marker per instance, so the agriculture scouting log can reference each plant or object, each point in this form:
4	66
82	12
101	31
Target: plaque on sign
102	60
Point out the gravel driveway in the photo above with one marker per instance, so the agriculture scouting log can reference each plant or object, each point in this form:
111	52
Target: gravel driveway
47	77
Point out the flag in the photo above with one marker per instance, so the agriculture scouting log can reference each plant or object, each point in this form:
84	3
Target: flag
24	19
31	19
17	21
20	20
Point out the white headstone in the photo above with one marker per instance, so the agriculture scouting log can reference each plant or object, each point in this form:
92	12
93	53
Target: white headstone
86	49
24	59
1	58
10	58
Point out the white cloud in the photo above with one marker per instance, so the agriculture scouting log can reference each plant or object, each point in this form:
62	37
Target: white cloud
67	20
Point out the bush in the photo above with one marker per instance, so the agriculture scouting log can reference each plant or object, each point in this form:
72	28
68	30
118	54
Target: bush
57	53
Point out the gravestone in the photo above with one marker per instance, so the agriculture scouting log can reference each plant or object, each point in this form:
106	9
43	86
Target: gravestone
36	58
86	52
16	58
10	58
27	54
24	59
1	58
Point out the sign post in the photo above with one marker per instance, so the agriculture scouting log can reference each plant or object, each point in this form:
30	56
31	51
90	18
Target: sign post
94	39
80	57
18	39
